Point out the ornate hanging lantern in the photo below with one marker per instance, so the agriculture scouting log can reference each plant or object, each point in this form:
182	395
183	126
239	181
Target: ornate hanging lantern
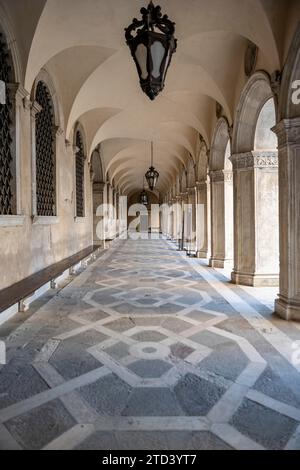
152	48
152	175
144	196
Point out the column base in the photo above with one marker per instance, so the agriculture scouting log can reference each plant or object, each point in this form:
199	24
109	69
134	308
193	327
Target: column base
220	263
201	254
287	310
255	280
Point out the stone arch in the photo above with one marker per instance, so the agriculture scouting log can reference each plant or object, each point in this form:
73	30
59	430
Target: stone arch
191	173
79	140
221	197
291	73
79	128
253	98
183	181
220	146
255	176
202	161
44	76
7	31
264	138
97	167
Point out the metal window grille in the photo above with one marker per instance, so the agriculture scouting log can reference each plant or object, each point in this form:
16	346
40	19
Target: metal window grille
6	157
45	153
79	176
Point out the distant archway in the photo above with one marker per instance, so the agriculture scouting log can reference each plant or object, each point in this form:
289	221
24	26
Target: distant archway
221	197
98	195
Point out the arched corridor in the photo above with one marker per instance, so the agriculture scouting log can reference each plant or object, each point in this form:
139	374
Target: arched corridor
149	224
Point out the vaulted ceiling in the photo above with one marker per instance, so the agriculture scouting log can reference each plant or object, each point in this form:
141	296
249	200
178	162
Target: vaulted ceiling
82	45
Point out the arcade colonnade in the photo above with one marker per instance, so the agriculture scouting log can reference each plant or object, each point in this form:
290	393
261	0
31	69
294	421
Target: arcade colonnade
241	212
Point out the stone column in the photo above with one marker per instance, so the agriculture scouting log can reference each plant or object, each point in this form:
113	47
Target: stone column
117	213
19	99
177	219
203	219
221	219
256	245
288	303
98	200
191	220
170	221
183	242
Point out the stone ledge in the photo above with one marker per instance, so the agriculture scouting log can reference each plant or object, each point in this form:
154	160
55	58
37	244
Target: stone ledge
12	220
41	220
80	220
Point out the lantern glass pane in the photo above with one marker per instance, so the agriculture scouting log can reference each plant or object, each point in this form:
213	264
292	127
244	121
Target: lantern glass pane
167	63
157	52
141	57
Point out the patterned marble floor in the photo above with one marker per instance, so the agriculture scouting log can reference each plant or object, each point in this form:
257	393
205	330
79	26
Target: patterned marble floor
148	349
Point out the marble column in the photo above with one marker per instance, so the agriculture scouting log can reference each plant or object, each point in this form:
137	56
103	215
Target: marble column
98	200
177	220
221	219
288	303
183	243
203	219
20	103
191	221
256	244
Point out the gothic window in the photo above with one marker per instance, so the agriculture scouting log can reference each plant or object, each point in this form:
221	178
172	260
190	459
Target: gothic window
45	153
6	124
79	175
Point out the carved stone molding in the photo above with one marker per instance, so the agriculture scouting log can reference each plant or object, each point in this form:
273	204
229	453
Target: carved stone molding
98	187
70	146
249	160
59	131
288	132
201	185
21	95
275	82
221	175
191	191
216	175
35	108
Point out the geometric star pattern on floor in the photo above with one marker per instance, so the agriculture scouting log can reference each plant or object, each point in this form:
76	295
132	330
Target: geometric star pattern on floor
142	349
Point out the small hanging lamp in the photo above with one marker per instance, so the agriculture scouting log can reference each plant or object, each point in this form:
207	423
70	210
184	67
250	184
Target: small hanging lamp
152	175
144	196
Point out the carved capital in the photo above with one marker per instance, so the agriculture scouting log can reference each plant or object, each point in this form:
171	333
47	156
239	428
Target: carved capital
35	108
288	132
221	175
191	191
216	175
59	131
201	185
275	82
98	187
259	159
